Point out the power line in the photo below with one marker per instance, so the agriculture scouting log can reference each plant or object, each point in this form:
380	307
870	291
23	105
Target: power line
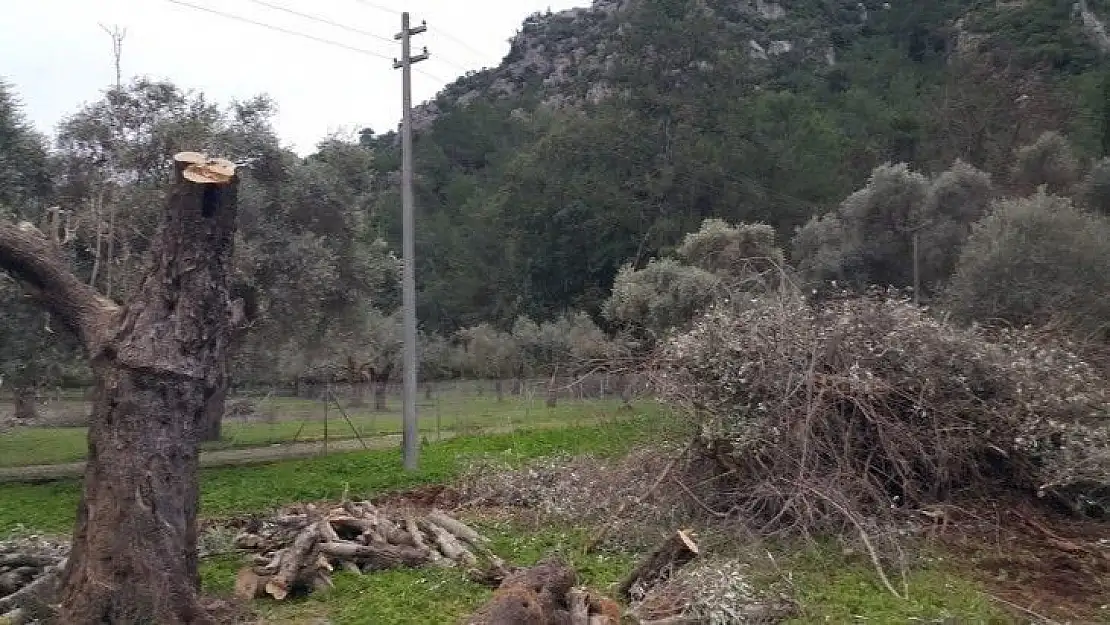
446	35
481	56
378	7
439	79
321	20
330	42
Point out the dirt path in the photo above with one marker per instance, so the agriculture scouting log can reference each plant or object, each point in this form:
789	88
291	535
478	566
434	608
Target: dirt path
229	457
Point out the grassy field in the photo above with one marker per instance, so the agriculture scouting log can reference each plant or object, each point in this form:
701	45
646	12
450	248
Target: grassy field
236	490
830	585
283	420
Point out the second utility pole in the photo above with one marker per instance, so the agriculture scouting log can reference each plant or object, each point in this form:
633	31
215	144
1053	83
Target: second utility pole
410	433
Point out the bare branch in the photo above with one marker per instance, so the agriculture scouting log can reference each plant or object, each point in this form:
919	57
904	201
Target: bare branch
28	255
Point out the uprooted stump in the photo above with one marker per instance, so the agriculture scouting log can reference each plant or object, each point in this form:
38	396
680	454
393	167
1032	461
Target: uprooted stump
659	565
545	594
295	552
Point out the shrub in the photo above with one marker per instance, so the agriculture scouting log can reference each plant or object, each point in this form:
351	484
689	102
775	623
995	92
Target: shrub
869	239
820	415
1095	192
1048	161
663	295
1035	260
744	255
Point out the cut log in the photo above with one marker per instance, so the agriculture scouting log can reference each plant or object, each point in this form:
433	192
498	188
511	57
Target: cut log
579	606
44	586
457	528
294	559
355	537
659	565
250	585
418	538
449	545
376	557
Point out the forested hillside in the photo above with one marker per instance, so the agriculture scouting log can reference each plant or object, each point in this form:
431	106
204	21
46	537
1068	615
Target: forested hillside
605	136
609	132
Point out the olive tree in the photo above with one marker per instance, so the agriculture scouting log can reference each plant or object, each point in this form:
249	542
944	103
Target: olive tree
745	256
1034	260
902	229
665	294
1048	161
491	353
158	360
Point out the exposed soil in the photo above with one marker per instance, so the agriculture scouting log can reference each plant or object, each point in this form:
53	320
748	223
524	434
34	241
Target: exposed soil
1035	562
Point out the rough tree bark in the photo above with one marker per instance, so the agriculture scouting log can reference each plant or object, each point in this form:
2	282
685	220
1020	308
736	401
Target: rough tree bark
26	410
381	386
159	364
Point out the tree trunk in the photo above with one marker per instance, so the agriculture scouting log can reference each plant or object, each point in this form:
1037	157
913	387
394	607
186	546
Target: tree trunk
159	380
381	389
499	388
358	394
211	426
160	365
25	409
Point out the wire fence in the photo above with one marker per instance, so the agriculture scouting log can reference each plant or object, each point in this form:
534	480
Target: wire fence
282	422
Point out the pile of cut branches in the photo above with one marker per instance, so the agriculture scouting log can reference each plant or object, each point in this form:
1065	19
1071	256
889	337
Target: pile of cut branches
817	417
295	551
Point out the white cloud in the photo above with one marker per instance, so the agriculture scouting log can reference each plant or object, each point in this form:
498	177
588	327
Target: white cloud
58	57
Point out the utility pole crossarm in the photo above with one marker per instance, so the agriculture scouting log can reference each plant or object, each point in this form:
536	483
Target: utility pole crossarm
410	432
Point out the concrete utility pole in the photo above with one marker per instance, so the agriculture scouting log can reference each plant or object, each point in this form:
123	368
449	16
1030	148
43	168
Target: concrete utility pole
410	434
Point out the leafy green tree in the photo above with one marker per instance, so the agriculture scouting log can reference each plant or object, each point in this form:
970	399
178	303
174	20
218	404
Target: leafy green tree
1034	260
1048	161
900	230
745	256
33	350
664	295
1095	191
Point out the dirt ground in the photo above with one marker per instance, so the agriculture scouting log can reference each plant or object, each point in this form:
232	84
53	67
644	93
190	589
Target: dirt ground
1042	565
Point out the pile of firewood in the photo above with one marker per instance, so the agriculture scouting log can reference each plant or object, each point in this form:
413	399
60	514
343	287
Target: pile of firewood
296	551
29	570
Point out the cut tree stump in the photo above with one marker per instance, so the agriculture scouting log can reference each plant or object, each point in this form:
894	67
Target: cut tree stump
659	565
545	595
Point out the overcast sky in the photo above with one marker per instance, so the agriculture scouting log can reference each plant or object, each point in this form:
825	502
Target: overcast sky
56	56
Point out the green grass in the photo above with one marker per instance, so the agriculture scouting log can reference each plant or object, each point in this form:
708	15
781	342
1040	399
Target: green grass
833	588
303	420
425	595
237	490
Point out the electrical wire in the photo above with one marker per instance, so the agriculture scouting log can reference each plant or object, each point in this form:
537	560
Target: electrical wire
442	81
378	7
448	36
479	55
279	29
321	20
